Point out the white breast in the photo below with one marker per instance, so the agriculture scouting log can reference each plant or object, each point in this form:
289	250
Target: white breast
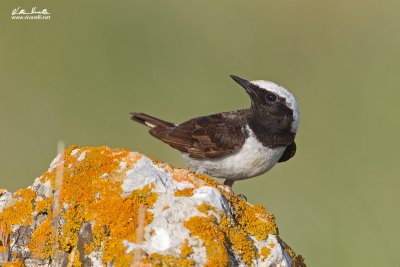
250	160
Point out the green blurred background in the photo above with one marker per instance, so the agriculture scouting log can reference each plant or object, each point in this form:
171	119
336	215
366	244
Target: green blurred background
76	78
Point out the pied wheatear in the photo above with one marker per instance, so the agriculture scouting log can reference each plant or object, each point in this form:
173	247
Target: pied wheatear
239	144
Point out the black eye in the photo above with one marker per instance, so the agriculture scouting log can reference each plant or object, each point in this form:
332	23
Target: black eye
271	97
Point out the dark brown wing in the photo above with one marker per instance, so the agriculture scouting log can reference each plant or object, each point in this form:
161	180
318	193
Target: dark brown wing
289	152
205	137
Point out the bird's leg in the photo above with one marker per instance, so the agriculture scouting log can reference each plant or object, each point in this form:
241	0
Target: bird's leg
229	182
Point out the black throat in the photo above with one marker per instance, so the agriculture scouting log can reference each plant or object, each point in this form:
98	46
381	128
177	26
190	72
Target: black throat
272	130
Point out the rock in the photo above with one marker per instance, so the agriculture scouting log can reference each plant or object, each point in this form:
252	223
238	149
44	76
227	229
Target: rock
112	207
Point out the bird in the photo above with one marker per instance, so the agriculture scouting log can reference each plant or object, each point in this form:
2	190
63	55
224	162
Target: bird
235	145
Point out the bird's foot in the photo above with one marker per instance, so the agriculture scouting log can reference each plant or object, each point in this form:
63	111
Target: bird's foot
242	197
230	183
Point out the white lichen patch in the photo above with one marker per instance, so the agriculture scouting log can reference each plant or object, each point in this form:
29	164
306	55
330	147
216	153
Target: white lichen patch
82	156
95	258
5	200
75	152
211	196
277	255
104	175
183	185
54	163
145	172
42	189
160	239
130	246
122	166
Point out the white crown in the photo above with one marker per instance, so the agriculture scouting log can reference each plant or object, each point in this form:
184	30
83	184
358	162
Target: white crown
282	92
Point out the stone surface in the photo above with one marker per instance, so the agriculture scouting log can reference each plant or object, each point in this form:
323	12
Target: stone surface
97	206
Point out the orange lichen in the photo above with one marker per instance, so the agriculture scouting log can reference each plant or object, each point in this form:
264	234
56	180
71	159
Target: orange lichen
86	194
250	220
239	240
253	219
42	205
20	213
290	250
4	237
80	182
118	220
207	230
186	249
205	180
187	192
16	263
89	248
90	198
74	258
180	175
265	252
205	208
73	221
225	231
160	260
41	244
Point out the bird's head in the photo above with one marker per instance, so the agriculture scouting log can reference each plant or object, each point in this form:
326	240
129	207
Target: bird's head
268	98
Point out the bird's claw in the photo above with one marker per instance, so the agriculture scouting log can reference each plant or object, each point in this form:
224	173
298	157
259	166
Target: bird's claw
242	197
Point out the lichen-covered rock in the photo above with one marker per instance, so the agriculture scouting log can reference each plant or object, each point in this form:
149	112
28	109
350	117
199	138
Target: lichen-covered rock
112	207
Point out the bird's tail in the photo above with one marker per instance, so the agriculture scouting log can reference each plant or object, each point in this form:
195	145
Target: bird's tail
150	121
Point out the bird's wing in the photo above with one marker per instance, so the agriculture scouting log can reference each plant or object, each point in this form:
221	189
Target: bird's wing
289	152
205	137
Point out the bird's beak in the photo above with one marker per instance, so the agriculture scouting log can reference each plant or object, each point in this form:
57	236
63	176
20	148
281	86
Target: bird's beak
250	90
246	85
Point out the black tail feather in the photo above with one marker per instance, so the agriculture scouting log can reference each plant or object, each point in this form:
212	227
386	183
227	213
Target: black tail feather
150	121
